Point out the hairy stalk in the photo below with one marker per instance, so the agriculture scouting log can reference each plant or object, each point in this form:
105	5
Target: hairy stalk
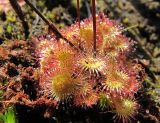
20	14
51	25
94	26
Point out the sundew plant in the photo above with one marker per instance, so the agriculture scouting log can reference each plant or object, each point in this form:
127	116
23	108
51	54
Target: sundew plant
90	65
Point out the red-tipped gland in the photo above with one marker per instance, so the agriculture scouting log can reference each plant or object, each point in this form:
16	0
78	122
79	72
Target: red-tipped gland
125	109
116	81
64	85
91	65
85	96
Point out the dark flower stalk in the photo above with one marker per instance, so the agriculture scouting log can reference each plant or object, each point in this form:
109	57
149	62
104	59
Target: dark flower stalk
51	25
94	26
78	14
20	14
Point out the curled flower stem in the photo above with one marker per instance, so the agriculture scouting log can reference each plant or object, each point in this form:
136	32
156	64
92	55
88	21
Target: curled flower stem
51	25
94	26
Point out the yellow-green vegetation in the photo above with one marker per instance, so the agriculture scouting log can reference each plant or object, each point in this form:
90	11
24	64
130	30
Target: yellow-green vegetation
154	90
104	101
8	116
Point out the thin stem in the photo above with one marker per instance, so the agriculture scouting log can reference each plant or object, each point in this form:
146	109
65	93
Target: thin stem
130	27
88	8
78	14
51	25
94	26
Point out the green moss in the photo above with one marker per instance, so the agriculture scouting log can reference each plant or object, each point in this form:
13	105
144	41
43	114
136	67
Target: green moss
9	116
11	17
9	29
